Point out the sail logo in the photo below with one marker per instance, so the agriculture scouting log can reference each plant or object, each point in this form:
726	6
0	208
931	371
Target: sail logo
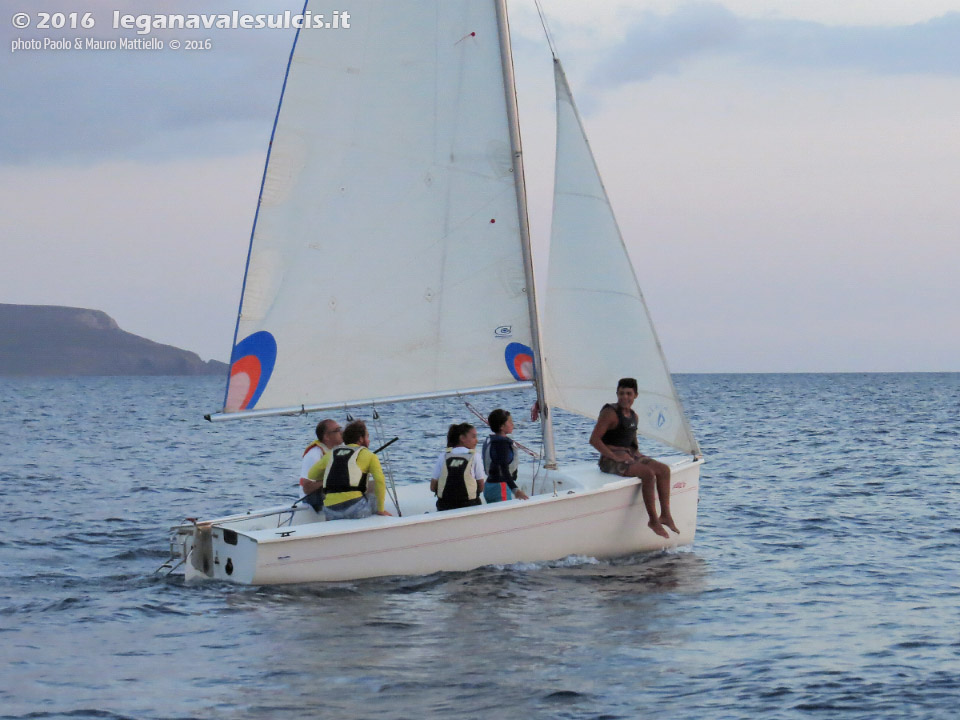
504	331
519	358
659	417
250	368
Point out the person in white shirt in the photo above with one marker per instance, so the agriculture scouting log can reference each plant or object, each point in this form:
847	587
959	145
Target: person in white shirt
458	475
329	435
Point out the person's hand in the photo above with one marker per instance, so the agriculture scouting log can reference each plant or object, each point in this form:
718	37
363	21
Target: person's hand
384	512
521	494
535	411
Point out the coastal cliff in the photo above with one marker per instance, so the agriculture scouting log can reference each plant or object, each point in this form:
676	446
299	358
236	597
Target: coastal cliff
54	340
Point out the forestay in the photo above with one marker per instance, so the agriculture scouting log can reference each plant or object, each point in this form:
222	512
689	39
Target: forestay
596	326
386	258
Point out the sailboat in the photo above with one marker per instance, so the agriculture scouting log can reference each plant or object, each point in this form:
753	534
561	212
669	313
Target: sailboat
390	256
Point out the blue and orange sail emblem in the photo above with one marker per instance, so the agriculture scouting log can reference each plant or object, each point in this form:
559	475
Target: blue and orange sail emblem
519	359
250	368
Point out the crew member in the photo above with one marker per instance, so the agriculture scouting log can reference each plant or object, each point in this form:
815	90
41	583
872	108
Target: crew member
329	434
500	460
458	474
344	473
615	437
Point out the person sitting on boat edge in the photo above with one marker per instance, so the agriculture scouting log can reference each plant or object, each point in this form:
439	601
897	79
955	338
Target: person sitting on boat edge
500	460
458	474
615	437
344	472
329	434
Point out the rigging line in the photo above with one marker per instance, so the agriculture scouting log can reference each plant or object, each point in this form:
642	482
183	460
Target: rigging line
476	412
388	466
546	29
538	466
378	430
538	458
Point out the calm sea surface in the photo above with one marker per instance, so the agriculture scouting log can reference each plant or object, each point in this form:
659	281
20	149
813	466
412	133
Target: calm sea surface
824	582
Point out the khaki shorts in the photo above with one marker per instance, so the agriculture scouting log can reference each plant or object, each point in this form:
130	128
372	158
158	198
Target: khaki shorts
620	467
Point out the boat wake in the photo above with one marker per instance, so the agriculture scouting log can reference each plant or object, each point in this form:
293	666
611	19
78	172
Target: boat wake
567	562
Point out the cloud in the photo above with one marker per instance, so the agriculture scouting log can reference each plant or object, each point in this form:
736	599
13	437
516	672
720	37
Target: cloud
662	44
88	106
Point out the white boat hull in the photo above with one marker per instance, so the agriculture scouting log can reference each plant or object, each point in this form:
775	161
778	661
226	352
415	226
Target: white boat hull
591	514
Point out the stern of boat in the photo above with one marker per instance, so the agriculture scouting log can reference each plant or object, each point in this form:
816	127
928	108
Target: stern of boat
223	549
209	552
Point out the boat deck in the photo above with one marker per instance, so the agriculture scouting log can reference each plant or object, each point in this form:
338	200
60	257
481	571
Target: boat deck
416	502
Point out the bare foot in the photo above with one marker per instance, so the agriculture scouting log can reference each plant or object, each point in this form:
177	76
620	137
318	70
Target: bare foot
658	528
668	521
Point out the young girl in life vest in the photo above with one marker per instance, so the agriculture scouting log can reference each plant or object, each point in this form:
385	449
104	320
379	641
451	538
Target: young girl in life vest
500	460
458	474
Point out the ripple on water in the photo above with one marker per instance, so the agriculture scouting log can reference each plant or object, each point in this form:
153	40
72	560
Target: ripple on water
823	580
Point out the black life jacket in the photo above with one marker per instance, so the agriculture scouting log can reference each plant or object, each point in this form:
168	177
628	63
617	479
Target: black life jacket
624	434
343	474
456	483
499	471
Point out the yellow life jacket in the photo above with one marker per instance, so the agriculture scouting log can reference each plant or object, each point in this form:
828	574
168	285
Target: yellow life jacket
316	443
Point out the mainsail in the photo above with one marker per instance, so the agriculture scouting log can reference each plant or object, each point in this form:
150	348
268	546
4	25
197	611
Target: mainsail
596	325
386	256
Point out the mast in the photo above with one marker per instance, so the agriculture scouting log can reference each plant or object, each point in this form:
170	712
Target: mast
506	57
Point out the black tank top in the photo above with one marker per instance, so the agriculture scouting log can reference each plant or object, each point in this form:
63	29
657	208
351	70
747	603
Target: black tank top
624	434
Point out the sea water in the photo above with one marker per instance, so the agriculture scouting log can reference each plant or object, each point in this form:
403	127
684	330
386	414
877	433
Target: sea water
824	581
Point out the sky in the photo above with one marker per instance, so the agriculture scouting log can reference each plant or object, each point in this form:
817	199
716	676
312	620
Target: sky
785	173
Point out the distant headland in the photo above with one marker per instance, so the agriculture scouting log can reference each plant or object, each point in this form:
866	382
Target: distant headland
53	340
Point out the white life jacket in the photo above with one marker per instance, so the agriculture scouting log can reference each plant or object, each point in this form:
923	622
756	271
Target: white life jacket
456	481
